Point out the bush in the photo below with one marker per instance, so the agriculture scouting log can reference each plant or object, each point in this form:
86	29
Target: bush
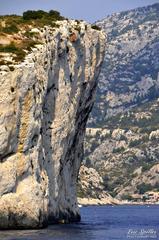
10	29
143	187
123	138
118	150
18	51
20	55
80	193
88	162
157	186
33	14
11	48
55	14
40	14
29	34
31	44
134	143
78	28
96	27
127	197
146	166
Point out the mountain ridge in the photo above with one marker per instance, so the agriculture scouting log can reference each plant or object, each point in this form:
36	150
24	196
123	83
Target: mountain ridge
122	133
126	80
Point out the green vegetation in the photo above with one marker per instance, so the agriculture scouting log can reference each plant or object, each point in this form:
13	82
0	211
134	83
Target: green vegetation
80	193
118	150
41	18
124	72
128	120
147	166
143	187
18	50
141	121
127	197
88	162
26	40
96	27
11	48
78	28
13	23
123	138
135	143
33	14
112	182
40	14
10	24
29	34
10	29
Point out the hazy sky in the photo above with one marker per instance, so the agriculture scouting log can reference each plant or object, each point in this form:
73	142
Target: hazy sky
90	10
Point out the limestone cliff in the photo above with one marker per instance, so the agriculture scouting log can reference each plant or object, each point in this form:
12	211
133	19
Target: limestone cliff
44	106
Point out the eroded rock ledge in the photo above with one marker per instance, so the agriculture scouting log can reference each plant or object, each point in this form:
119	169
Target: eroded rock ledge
44	106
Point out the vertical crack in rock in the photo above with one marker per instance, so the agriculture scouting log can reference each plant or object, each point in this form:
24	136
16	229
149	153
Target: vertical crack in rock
44	108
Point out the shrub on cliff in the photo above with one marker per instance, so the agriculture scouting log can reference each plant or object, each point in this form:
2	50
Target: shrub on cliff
55	15
96	27
144	188
33	14
10	48
134	143
40	14
127	197
10	29
118	150
19	53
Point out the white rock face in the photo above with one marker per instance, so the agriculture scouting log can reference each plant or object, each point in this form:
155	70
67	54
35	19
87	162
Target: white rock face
154	135
44	106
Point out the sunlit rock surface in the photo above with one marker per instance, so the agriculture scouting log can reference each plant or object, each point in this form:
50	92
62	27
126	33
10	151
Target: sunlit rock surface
44	106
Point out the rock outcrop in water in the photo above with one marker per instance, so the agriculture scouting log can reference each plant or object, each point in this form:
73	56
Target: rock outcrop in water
44	106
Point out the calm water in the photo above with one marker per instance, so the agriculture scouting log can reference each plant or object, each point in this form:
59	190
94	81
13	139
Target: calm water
100	223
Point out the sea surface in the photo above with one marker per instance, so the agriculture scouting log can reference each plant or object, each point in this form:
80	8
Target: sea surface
100	223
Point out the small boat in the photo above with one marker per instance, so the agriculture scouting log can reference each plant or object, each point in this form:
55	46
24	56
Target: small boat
79	205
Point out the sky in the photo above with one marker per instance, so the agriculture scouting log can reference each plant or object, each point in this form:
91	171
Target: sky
89	10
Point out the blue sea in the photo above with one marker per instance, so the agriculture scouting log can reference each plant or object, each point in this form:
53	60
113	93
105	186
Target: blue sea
100	223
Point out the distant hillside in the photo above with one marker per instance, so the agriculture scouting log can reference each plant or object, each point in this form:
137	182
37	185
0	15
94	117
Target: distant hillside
129	75
125	151
122	138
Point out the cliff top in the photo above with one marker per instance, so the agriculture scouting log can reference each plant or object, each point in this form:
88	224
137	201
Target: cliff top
19	35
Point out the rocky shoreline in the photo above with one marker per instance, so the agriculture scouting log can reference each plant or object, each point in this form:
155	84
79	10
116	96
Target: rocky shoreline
109	201
95	201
